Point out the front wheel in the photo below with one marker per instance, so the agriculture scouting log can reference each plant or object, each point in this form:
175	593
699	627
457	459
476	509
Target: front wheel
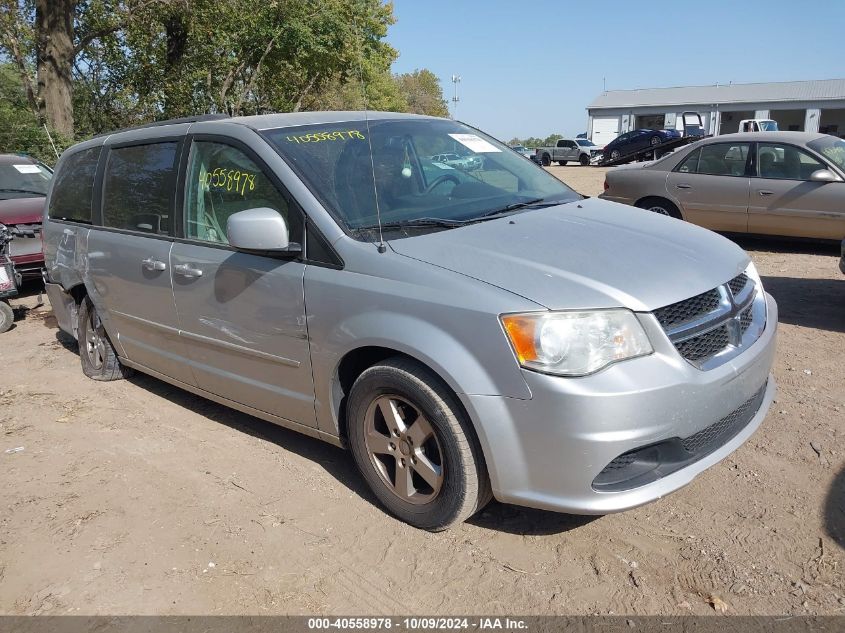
656	140
614	154
660	206
584	160
7	316
414	447
96	353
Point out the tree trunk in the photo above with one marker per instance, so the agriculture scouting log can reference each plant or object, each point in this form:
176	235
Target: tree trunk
55	53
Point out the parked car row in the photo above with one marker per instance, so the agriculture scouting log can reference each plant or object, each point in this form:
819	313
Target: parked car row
466	333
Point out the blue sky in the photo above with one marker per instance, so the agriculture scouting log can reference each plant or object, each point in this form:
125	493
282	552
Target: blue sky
531	67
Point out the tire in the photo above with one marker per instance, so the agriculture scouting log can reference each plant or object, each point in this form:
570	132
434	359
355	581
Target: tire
661	206
584	160
614	154
655	140
399	412
98	358
7	317
561	162
545	160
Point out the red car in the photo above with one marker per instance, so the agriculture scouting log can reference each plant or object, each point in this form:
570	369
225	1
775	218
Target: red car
23	189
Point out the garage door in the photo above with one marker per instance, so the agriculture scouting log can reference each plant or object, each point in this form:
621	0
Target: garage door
605	129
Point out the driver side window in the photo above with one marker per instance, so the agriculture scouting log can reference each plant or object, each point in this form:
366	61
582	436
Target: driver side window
221	181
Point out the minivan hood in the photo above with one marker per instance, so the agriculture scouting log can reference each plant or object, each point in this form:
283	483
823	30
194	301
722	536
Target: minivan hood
586	254
21	210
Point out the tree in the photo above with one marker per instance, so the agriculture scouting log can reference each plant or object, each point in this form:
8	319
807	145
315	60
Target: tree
162	58
21	131
423	93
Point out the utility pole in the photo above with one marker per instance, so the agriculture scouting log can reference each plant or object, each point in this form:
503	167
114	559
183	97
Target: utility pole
456	79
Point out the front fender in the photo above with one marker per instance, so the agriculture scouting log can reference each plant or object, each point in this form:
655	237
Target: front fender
457	336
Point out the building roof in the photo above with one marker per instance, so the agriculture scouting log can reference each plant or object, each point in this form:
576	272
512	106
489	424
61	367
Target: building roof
819	90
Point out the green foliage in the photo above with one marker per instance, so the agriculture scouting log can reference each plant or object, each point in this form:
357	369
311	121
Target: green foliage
142	61
422	91
533	141
21	131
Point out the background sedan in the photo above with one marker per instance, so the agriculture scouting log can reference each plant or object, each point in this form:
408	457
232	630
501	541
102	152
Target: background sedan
770	183
637	140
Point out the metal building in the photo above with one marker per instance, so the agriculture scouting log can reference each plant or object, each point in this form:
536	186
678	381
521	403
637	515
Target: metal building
812	106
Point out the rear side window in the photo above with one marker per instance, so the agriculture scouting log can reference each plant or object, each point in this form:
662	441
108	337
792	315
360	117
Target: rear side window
717	159
73	187
139	188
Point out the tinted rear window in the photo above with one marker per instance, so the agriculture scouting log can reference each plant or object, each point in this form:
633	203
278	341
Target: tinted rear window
140	182
73	187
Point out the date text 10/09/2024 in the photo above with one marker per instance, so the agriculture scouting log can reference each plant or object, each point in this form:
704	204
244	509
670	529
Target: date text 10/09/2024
419	623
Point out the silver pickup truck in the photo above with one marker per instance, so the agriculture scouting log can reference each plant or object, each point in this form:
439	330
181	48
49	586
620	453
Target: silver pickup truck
578	150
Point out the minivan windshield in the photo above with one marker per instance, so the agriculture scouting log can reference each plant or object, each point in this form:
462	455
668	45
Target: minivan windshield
831	148
427	172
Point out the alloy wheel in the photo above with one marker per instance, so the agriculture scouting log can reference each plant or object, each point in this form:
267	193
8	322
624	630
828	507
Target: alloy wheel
404	449
95	340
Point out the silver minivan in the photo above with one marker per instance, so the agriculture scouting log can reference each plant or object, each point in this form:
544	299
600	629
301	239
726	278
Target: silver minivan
469	330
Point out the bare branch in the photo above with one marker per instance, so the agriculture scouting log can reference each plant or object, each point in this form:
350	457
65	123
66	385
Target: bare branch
253	77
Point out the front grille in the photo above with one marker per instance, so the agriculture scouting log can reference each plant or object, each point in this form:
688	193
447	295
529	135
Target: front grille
713	322
738	283
746	319
717	434
706	345
688	309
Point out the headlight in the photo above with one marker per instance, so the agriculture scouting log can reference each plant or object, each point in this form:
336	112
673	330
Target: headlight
575	343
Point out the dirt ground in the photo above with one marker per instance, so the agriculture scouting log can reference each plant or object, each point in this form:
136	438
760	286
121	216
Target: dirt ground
133	497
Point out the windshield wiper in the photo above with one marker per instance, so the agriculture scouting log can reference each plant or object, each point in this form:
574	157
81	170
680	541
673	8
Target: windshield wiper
537	202
417	222
37	193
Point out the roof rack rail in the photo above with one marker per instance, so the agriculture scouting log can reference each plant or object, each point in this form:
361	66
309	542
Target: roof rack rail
185	119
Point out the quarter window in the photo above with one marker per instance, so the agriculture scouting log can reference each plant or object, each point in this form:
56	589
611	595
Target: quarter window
786	162
73	187
221	181
139	185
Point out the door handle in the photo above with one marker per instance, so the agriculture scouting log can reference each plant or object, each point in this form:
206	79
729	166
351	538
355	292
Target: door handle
766	192
185	270
153	264
683	186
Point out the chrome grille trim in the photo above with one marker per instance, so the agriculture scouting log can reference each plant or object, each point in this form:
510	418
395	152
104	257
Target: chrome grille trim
711	333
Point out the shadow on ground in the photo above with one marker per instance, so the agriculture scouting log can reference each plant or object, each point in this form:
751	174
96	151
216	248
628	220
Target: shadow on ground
834	510
527	521
811	303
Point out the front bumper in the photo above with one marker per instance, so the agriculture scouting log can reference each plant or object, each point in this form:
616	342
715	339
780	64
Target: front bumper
546	452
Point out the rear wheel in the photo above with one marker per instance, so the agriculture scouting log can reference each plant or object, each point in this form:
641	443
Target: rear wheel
584	160
98	358
561	162
414	447
7	317
661	206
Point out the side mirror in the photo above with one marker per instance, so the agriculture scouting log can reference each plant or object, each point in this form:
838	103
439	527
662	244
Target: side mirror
824	175
260	230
